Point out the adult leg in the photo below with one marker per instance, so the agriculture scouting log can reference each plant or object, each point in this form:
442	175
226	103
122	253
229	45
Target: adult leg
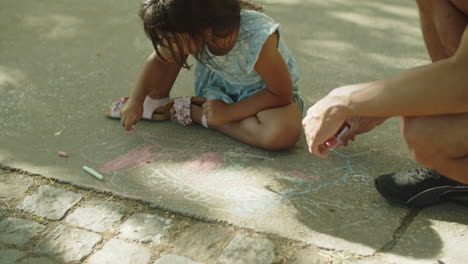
442	23
273	129
439	143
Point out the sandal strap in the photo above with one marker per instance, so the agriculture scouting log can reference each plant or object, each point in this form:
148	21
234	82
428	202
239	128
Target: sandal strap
117	105
182	110
150	105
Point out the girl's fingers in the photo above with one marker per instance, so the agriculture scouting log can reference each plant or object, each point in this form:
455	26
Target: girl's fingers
129	123
122	121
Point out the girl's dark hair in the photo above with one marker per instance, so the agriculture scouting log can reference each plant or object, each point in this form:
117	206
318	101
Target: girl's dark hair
161	18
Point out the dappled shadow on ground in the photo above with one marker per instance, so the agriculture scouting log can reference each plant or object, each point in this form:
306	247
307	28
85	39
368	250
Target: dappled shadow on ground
194	171
343	42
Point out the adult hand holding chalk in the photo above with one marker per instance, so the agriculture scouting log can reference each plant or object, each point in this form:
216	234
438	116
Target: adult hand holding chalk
93	172
336	141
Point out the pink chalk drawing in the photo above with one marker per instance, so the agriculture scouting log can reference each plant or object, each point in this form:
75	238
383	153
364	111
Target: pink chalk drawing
114	146
302	176
204	164
152	149
134	159
215	177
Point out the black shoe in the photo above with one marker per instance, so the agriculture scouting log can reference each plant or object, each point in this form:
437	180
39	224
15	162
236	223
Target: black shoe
420	188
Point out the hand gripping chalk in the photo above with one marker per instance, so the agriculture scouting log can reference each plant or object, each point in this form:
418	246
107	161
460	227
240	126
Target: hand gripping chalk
337	137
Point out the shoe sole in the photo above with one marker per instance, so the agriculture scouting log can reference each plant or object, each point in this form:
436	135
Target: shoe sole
157	115
163	112
435	195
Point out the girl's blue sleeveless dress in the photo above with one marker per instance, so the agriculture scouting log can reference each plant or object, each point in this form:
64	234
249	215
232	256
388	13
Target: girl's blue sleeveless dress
233	78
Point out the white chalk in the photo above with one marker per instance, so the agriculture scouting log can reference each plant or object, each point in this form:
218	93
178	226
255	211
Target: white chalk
341	133
93	172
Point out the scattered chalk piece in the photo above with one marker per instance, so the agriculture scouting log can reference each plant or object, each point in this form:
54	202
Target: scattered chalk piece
93	172
63	154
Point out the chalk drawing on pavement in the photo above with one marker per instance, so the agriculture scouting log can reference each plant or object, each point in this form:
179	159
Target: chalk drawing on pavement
217	179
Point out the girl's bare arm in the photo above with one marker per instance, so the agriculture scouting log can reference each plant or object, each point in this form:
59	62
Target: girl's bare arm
274	71
157	76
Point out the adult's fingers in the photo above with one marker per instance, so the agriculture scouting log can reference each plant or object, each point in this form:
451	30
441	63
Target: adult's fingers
320	150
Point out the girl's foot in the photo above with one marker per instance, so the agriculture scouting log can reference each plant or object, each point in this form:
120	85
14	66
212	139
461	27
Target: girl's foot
152	108
180	108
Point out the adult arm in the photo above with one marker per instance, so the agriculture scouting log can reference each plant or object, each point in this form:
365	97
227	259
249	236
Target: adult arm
435	89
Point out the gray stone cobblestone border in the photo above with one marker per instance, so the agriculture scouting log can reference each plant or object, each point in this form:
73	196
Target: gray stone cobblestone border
133	232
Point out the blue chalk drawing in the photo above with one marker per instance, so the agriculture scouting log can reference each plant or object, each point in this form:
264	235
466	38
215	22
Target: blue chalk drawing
351	172
251	202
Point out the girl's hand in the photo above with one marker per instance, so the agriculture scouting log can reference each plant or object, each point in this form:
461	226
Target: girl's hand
217	112
130	113
321	123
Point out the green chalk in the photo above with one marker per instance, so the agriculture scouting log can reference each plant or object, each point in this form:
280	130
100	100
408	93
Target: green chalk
93	172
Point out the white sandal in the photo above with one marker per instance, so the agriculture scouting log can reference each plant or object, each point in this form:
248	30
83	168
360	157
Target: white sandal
159	114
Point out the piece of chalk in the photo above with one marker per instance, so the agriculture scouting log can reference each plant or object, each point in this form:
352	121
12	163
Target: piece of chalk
63	154
341	133
93	172
337	137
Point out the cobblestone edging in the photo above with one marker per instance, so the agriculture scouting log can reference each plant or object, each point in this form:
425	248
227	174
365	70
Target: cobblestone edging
42	221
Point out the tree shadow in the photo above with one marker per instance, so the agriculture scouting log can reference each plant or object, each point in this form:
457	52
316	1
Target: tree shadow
198	172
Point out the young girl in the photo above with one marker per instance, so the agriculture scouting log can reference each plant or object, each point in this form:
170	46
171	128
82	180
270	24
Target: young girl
245	77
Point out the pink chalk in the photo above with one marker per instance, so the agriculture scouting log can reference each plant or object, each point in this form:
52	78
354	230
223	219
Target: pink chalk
329	142
63	154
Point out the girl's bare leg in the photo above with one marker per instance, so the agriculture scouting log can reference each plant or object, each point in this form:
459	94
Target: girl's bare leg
273	129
